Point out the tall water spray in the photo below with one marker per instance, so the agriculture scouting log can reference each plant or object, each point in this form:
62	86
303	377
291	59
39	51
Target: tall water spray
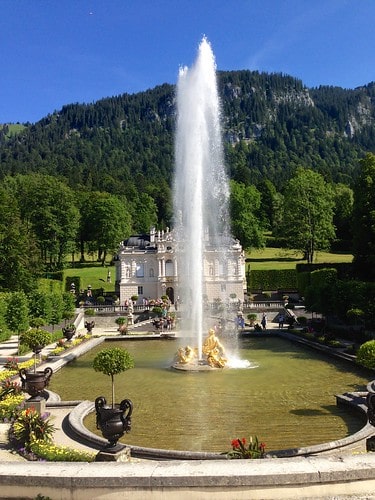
201	190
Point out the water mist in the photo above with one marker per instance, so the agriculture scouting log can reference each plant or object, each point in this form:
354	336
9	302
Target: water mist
201	189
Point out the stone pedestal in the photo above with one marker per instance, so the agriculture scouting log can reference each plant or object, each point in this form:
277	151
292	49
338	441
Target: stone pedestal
119	453
38	404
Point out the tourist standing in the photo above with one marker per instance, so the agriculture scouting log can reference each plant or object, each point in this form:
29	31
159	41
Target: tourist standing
264	321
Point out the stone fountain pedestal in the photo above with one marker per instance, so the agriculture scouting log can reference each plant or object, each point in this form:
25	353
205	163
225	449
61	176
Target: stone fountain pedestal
201	366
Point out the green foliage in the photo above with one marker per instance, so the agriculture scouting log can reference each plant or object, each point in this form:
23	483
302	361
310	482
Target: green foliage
354	294
273	279
242	449
343	210
5	332
355	315
244	203
19	261
35	338
17	312
121	320
113	361
37	322
364	220
56	453
28	426
68	305
158	311
366	354
319	295
123	145
53	217
308	213
40	305
63	345
105	222
303	281
10	405
57	308
252	317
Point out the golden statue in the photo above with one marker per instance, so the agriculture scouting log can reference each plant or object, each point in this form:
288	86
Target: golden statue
186	355
214	350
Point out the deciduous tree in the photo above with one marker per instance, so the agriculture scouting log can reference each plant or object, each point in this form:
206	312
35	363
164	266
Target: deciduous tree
364	220
307	221
244	203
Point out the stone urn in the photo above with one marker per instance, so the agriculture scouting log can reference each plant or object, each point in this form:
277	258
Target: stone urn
34	383
113	422
69	332
89	325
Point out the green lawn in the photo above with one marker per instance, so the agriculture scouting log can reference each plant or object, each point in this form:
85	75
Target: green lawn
94	275
278	258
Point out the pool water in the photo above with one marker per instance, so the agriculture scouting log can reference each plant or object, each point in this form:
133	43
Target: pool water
287	400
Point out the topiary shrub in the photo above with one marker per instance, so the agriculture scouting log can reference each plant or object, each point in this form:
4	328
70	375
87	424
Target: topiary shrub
252	317
366	354
302	320
35	339
112	361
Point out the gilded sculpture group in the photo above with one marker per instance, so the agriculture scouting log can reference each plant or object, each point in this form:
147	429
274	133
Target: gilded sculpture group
212	349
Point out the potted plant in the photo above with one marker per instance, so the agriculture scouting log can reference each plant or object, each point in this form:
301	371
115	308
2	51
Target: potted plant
122	323
35	382
115	420
252	318
69	331
89	325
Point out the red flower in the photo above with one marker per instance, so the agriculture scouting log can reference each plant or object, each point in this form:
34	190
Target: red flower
262	446
243	441
235	443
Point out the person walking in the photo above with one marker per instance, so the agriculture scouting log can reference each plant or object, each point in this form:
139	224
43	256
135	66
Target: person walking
264	321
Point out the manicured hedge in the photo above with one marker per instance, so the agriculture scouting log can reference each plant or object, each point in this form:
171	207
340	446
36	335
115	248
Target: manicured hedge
272	279
344	269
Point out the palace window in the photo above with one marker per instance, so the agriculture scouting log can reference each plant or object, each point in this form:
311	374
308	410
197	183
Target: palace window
168	268
140	272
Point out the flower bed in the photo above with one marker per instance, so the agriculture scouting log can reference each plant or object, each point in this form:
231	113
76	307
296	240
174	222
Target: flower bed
64	345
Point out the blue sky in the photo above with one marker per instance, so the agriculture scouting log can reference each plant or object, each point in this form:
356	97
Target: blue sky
56	52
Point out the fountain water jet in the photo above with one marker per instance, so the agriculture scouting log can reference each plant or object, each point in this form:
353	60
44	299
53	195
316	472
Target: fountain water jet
201	188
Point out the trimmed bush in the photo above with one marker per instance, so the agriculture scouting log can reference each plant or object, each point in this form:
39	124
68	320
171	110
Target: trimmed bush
273	279
366	354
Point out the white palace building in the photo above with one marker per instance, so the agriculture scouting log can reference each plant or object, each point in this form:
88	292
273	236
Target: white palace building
146	266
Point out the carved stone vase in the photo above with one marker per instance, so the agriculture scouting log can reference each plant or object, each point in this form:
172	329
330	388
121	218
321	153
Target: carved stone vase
69	332
89	325
113	422
35	383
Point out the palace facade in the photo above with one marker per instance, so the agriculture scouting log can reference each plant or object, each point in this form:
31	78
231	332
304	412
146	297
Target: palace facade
147	266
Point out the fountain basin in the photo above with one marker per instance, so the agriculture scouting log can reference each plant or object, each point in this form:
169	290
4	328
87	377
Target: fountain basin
287	401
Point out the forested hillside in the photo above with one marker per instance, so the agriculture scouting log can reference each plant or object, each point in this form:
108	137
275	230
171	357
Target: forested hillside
272	124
